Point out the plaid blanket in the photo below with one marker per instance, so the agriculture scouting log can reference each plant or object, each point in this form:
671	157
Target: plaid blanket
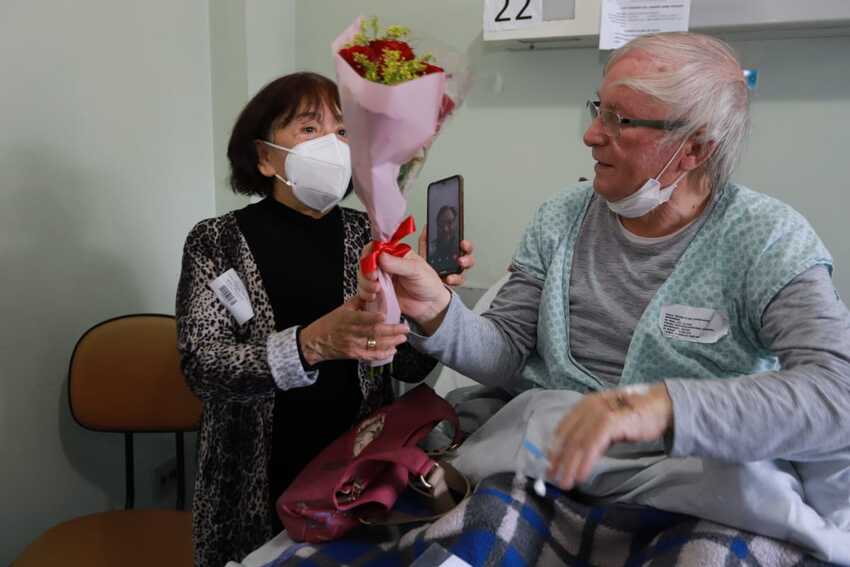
505	523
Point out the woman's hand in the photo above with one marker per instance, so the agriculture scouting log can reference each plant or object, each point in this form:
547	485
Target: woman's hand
349	333
466	261
600	420
421	294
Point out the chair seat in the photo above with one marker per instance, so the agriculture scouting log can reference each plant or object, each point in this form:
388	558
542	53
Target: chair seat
125	538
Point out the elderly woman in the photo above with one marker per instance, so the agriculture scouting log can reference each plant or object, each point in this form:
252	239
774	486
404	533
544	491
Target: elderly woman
280	360
664	273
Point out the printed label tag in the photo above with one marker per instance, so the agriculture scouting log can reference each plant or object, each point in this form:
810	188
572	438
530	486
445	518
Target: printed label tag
693	324
230	290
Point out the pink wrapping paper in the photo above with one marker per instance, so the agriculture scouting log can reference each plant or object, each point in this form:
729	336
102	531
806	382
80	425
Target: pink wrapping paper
387	125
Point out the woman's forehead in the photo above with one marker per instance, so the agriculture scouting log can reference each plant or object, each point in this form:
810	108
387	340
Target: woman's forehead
317	109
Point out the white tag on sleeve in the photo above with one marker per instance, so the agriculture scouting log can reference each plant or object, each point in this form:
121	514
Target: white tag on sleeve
230	290
693	324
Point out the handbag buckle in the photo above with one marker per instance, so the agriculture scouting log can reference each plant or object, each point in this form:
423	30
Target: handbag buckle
351	492
422	477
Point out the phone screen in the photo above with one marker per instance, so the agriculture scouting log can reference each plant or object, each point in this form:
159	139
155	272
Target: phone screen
445	224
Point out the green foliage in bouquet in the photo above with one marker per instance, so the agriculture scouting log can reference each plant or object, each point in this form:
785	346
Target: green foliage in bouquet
386	57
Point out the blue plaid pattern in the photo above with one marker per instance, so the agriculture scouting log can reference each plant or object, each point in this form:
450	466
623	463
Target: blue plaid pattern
505	524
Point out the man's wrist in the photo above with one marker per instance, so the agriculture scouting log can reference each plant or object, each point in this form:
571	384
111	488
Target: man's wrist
662	397
432	321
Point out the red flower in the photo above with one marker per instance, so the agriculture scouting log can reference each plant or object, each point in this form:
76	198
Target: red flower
405	67
447	105
431	69
349	52
381	45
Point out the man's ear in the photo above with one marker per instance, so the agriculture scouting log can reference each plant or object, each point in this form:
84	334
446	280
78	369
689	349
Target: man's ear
264	159
697	150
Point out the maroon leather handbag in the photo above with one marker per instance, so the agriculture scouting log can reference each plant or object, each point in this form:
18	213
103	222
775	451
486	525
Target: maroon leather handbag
362	473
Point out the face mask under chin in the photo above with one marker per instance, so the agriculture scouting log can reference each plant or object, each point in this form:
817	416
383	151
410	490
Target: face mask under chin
650	195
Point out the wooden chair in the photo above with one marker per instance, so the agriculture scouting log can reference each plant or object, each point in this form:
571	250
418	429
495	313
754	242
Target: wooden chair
125	377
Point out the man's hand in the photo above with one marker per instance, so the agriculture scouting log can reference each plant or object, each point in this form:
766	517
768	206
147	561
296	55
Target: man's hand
466	260
421	294
599	421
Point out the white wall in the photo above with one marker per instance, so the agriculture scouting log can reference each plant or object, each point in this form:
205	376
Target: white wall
269	40
105	164
252	43
229	76
521	141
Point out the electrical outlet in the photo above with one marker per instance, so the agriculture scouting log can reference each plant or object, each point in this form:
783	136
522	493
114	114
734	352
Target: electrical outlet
165	481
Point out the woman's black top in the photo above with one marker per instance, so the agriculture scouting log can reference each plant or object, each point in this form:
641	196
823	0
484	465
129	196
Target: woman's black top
300	260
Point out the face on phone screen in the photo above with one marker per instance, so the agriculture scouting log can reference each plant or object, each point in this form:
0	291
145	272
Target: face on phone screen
444	225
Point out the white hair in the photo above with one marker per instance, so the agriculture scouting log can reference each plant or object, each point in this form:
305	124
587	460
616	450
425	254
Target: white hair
702	82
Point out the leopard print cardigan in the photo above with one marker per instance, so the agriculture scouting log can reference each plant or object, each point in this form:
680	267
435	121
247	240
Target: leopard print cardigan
226	367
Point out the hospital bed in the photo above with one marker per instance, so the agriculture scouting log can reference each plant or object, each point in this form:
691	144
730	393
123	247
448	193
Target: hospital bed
505	523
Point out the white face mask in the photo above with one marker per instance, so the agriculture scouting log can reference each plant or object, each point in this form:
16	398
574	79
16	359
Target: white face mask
649	196
318	171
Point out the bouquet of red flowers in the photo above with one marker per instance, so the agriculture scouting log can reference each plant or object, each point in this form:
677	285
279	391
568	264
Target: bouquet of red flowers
388	59
394	103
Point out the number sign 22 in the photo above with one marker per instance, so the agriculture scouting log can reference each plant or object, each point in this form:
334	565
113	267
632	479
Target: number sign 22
511	14
521	15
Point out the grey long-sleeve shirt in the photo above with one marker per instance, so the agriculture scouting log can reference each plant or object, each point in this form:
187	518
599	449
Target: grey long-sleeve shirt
800	413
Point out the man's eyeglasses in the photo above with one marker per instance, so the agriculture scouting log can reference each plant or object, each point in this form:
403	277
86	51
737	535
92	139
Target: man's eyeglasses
612	122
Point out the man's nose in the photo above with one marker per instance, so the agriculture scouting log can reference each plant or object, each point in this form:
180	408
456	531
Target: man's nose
594	135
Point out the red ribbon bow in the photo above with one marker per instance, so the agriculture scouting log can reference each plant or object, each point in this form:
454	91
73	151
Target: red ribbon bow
369	263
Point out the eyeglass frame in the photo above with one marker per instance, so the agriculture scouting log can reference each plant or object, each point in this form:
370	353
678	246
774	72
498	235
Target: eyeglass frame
594	107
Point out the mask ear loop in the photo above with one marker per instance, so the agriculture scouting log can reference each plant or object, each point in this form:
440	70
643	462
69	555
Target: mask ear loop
667	191
275	146
284	181
666	165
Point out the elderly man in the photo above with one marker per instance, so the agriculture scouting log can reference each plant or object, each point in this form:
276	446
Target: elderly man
664	273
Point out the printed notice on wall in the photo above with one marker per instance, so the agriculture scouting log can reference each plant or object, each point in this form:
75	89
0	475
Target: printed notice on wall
623	20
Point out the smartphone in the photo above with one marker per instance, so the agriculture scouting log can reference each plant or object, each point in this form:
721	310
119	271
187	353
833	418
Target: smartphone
445	224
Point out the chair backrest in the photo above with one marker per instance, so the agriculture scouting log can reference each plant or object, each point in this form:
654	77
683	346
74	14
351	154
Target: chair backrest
125	376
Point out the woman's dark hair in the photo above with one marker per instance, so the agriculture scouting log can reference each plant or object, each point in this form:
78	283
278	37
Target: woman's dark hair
446	209
273	107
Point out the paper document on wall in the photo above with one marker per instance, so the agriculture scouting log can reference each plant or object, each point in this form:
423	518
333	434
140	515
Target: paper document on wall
623	20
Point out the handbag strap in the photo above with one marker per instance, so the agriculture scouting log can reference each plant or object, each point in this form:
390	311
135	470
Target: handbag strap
438	410
414	459
445	482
